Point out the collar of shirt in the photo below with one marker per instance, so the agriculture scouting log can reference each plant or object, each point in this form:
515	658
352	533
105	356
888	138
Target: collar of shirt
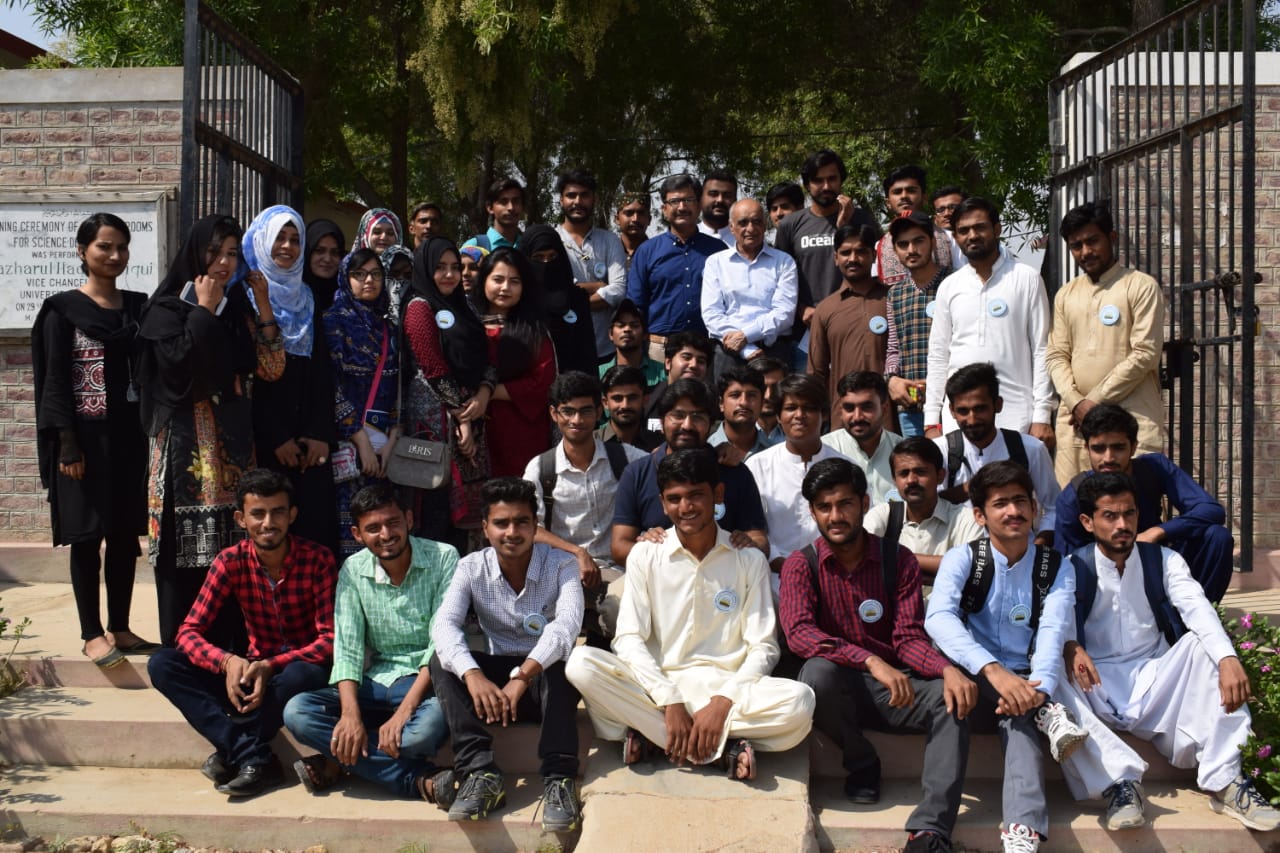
563	463
846	290
672	544
497	241
720	437
537	564
290	559
766	253
935	283
366	564
1111	276
870	561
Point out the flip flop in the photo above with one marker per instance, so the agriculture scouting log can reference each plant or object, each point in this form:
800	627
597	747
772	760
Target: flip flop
731	755
637	745
142	647
107	661
314	773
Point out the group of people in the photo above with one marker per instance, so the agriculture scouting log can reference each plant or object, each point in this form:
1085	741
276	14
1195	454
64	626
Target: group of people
744	443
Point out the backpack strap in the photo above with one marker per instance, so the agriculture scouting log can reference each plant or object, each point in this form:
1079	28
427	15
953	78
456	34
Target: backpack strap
811	557
1043	574
1168	620
981	571
955	456
1017	450
1085	562
889	555
617	457
548	477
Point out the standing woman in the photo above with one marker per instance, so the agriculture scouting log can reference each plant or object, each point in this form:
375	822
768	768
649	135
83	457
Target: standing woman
510	305
449	386
199	356
366	367
397	267
293	426
568	306
379	230
325	248
92	451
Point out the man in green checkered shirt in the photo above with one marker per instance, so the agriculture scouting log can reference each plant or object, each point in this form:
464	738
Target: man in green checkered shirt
382	723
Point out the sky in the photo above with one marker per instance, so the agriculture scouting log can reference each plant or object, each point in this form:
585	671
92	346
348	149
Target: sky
21	22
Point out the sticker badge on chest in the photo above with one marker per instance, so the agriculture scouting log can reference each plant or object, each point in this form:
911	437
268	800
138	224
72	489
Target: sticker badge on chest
1109	315
445	319
878	325
931	308
998	308
601	269
719	511
870	611
1020	615
726	601
534	623
571	316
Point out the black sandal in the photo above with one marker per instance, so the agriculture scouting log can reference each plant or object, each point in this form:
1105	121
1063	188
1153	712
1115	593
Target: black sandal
731	755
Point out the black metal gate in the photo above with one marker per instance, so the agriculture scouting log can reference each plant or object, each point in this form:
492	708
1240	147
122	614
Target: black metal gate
242	124
1162	124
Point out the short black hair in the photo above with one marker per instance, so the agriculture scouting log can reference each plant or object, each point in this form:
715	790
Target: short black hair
1107	484
903	224
1108	417
767	364
691	339
507	490
500	186
626	306
830	473
88	232
864	380
675	183
571	385
821	159
581	177
693	390
742	375
688	467
263	483
971	377
917	445
972	203
867	235
622	374
805	387
425	205
788	190
374	497
947	189
723	175
1090	213
997	475
910	172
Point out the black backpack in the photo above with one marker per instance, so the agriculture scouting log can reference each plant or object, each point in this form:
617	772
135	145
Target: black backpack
547	474
955	452
1167	617
888	558
982	569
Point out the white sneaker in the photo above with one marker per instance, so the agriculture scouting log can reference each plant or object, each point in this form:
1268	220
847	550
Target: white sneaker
1064	734
1019	839
1125	809
1242	801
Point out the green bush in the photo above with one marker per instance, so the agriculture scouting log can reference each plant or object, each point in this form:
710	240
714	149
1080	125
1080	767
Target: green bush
11	678
1257	643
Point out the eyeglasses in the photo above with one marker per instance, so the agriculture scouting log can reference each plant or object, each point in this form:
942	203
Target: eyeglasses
569	412
677	416
946	208
367	275
681	200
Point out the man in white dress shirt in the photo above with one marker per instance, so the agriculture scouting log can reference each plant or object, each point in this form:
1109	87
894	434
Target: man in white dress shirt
748	293
1147	654
993	309
695	643
599	262
860	433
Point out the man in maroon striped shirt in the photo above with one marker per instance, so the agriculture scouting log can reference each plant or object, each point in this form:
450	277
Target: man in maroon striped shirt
868	659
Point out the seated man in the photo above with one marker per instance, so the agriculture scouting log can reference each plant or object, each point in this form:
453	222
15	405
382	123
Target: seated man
774	371
870	672
1150	658
999	609
973	393
780	470
528	600
284	586
685	411
860	434
1197	533
687	356
741	400
383	722
624	389
695	642
923	522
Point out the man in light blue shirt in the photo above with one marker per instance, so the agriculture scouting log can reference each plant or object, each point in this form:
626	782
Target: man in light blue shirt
986	615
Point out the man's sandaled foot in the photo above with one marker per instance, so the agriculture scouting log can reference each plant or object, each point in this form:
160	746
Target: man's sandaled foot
635	748
317	773
740	760
441	788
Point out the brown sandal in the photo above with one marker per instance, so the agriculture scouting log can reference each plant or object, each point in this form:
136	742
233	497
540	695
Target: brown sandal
736	750
316	774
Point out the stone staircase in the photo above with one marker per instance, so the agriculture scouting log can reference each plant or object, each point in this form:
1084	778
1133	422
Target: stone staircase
86	751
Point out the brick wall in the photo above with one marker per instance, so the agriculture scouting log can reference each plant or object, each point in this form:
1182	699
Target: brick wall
1267	295
71	130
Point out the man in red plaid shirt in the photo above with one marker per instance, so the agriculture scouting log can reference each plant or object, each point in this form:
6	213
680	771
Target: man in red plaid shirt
285	588
869	661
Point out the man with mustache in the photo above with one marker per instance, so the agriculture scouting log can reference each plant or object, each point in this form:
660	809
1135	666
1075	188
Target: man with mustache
624	389
382	721
686	355
974	392
930	525
1000	610
627	335
1197	532
868	671
741	398
528	600
283	585
719	192
861	435
633	218
596	255
1149	656
773	370
504	201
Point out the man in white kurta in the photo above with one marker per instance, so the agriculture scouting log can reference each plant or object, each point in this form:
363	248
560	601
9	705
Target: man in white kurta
1122	674
693	631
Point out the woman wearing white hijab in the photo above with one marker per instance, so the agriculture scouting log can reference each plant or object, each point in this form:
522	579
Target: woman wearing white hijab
293	417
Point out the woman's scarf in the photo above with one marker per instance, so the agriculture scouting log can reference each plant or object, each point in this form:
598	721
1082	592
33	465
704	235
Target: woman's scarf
556	276
462	340
292	302
324	289
362	325
396	288
371	219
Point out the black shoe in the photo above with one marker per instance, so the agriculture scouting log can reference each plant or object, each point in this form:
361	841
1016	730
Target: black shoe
861	793
927	842
216	770
560	808
482	792
253	779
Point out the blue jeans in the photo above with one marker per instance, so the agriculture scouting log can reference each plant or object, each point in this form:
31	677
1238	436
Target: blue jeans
911	422
311	718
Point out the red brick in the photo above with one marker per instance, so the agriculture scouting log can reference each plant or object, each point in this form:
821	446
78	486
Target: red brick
21	177
170	116
67	136
162	137
20	137
49	156
99	116
26	156
155	175
122	116
121	155
6	156
24	468
75	117
53	117
146	116
167	156
114	176
26	485
73	156
98	155
29	118
8	118
142	155
24	449
19	356
115	136
67	177
24	431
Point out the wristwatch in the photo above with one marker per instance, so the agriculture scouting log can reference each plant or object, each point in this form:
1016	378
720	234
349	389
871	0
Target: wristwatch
518	673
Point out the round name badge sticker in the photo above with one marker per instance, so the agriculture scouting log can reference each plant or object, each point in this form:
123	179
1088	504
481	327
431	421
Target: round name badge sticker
726	601
871	611
571	316
931	308
601	269
534	623
445	319
1109	315
998	308
878	325
1020	615
719	511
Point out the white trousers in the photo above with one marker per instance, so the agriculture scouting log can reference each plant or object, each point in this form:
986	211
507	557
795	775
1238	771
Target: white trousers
1174	702
773	713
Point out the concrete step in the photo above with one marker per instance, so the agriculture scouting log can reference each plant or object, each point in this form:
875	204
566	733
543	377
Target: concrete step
656	806
29	563
1178	819
105	727
357	817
